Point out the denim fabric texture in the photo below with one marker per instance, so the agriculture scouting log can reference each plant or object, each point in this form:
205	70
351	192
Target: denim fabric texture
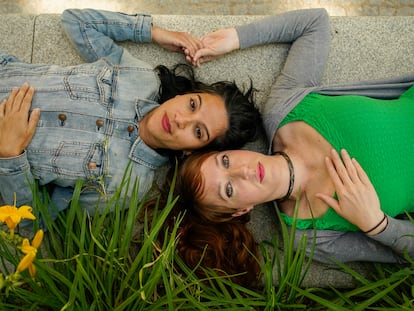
90	114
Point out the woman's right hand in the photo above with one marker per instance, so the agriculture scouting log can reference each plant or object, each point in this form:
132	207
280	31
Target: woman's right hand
358	201
216	44
17	124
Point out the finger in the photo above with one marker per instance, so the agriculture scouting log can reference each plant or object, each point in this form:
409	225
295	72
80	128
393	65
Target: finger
10	100
340	167
184	42
329	200
2	108
194	45
337	181
18	100
361	173
190	60
203	52
27	100
31	128
352	173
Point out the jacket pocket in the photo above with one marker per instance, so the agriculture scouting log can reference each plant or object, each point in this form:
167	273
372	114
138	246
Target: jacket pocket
88	85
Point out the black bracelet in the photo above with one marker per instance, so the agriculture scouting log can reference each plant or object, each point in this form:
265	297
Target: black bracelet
377	225
383	229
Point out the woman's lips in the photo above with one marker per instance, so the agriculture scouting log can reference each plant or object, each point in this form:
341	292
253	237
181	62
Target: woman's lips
166	124
261	172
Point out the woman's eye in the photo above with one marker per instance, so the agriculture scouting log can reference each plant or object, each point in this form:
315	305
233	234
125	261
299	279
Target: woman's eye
226	161
192	104
229	190
198	132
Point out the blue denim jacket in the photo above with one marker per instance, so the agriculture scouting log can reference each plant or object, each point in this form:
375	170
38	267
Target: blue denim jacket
90	113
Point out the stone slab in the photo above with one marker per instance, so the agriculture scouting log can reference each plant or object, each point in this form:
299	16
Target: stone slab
362	48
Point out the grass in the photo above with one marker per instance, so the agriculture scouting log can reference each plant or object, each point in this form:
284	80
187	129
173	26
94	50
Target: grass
105	263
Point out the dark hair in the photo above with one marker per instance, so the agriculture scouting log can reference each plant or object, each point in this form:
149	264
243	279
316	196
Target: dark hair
245	121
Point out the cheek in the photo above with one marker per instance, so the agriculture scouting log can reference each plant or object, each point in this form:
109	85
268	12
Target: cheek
185	139
247	192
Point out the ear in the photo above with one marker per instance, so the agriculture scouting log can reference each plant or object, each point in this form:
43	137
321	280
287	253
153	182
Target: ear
242	211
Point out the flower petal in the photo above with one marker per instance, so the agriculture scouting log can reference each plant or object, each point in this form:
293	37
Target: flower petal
32	270
11	224
6	211
26	261
25	211
37	240
27	248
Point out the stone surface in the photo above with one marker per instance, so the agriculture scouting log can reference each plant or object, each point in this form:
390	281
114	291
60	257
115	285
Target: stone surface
362	48
215	7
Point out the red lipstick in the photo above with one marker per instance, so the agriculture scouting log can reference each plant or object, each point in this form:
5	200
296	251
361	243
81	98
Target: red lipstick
166	124
261	172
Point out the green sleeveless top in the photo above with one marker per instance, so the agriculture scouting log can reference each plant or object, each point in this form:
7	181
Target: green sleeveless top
378	133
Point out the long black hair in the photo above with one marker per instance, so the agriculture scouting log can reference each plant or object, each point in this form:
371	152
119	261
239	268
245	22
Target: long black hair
244	118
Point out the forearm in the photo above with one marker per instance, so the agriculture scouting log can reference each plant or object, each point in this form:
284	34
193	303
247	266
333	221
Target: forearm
398	236
93	32
283	28
308	31
388	246
16	179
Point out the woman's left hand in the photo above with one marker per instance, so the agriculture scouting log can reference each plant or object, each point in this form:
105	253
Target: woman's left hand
176	41
358	201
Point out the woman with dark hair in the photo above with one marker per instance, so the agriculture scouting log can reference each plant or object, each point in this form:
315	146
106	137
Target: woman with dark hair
90	121
353	210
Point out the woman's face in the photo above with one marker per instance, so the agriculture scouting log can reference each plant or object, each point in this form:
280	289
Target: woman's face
187	122
238	180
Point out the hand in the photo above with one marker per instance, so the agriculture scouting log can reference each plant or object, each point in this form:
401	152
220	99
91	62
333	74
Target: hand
176	41
215	44
17	124
358	201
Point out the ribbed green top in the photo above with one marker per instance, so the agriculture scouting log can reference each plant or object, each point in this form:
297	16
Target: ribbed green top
378	133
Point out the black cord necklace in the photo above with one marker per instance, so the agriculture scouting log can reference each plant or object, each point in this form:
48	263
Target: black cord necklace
291	173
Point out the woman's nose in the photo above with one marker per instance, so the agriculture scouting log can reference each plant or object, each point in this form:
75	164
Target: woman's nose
242	171
181	120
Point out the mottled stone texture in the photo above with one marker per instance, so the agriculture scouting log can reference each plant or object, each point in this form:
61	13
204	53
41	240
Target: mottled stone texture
362	48
215	7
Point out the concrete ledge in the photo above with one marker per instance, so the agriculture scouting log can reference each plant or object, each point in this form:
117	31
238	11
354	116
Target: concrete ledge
362	48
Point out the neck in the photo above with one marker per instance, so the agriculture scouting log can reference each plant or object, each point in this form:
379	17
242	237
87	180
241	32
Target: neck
291	176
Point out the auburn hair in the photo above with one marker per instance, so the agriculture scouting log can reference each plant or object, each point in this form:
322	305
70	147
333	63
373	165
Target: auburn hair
208	239
190	187
227	248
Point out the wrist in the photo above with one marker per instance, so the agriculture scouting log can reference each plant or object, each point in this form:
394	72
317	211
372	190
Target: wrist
154	30
379	227
235	42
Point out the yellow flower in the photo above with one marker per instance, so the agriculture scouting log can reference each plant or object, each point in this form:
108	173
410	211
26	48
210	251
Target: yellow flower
12	215
30	251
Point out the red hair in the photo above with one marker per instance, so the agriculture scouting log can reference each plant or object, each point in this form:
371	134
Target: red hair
190	187
228	248
213	239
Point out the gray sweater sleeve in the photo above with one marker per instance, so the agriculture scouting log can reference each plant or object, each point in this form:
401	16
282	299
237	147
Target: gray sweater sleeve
308	32
390	246
309	36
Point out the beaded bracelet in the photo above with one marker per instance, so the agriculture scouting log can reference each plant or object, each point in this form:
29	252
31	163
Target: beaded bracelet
377	225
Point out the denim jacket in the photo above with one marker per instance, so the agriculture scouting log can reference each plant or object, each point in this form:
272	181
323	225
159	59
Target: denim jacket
90	114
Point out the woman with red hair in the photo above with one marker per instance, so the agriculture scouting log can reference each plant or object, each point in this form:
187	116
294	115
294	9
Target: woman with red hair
340	154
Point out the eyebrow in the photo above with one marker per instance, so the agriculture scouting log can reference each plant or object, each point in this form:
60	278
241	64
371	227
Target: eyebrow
205	127
219	186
